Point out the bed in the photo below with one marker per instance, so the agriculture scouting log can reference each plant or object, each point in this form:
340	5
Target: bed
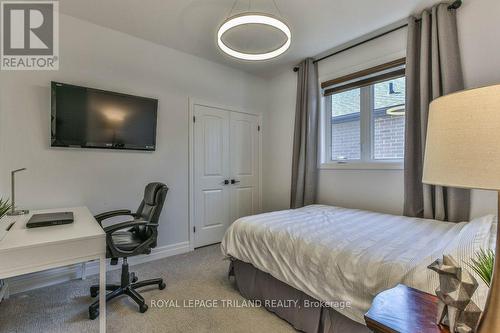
344	257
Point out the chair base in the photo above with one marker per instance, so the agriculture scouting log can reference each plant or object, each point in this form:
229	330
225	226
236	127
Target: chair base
128	287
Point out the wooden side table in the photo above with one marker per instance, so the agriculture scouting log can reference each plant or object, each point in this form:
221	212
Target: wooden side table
404	310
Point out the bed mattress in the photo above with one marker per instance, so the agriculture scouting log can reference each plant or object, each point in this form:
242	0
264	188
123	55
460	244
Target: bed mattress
344	257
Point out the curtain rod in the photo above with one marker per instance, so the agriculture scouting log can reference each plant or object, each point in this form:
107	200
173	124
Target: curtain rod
455	5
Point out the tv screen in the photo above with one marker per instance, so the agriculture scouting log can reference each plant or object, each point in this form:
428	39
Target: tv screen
92	118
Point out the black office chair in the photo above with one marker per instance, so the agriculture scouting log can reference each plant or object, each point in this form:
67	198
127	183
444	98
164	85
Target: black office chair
129	239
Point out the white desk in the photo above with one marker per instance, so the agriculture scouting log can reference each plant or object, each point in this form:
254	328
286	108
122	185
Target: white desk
25	250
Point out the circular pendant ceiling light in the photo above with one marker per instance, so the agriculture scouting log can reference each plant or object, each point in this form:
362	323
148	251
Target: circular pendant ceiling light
247	18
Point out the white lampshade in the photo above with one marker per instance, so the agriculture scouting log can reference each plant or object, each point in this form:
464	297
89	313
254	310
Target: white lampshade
463	140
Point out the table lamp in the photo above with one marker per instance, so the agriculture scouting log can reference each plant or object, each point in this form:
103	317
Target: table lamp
14	211
463	150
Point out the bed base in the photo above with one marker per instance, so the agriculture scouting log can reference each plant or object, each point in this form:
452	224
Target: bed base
288	303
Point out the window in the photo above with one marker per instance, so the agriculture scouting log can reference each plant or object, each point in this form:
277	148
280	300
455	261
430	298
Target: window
346	125
388	119
364	123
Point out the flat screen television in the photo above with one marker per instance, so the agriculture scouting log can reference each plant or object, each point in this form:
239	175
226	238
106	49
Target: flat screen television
91	118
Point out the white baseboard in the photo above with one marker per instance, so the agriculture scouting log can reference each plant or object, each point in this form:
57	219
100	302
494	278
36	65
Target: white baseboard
54	276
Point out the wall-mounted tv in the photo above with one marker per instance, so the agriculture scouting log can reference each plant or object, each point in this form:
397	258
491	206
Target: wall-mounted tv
91	118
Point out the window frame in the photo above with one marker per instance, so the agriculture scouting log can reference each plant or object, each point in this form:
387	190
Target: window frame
367	132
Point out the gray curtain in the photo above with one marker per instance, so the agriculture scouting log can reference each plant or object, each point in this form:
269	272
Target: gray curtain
433	69
305	141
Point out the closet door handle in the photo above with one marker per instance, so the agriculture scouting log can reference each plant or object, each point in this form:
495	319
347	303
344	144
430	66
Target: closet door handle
225	182
234	181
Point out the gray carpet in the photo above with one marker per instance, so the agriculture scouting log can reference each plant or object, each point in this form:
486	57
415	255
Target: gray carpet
197	275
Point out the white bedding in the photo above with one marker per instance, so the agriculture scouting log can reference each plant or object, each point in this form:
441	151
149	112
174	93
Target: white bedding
337	254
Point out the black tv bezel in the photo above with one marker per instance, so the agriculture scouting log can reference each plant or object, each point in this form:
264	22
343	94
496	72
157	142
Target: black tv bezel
53	128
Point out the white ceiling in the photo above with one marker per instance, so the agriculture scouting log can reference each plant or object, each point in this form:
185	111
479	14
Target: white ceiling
190	25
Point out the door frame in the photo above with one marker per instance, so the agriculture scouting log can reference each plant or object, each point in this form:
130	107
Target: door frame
191	103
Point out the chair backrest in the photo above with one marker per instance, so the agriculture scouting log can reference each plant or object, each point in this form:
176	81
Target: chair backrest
151	206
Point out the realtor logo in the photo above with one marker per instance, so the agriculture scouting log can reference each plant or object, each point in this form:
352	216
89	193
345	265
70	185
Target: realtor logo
29	35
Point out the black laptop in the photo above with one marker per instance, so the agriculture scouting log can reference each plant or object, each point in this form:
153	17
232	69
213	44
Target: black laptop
48	219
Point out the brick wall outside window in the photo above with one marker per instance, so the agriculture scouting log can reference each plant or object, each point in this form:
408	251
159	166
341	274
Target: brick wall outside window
387	141
389	137
388	134
346	140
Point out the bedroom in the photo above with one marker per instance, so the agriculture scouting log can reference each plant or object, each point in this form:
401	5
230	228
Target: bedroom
168	52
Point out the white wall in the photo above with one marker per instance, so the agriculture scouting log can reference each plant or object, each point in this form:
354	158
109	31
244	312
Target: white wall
277	138
103	180
379	190
479	30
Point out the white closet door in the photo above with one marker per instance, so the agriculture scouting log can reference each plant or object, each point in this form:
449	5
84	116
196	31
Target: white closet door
245	160
211	170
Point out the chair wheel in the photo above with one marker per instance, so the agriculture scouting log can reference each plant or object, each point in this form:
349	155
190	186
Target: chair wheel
162	286
93	314
143	308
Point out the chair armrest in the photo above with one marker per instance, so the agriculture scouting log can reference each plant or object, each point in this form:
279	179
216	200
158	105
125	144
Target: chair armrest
128	224
122	212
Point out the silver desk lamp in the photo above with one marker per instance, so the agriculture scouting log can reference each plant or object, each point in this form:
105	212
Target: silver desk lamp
13	210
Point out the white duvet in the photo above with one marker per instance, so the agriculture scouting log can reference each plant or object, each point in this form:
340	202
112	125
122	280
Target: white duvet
345	255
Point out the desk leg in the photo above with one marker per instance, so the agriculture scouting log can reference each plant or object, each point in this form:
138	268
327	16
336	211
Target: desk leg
102	295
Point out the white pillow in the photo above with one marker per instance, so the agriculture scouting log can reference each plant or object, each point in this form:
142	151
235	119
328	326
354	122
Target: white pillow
480	233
